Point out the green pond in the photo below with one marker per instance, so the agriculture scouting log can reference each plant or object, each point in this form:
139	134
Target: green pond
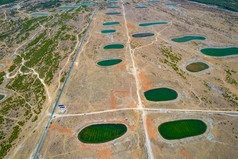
108	31
160	94
182	128
220	51
197	67
109	62
2	96
111	23
114	46
154	23
101	133
141	35
188	38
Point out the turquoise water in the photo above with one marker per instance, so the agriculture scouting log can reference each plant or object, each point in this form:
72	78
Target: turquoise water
112	2
108	31
153	23
141	35
153	1
115	13
114	7
220	51
170	4
188	38
67	7
141	7
90	4
39	14
111	23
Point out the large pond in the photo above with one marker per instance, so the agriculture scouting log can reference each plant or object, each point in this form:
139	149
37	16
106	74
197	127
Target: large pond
220	51
114	13
109	62
111	23
180	129
114	46
188	38
108	31
161	94
197	66
101	133
153	23
141	35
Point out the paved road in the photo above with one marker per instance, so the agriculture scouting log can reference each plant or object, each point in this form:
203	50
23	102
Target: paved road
55	106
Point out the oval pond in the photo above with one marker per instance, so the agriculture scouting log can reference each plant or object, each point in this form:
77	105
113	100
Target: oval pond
197	67
188	38
182	128
220	51
114	46
109	62
101	133
161	94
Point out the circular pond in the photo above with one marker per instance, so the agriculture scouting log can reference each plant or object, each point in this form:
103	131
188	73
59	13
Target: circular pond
161	94
101	133
220	51
109	62
141	35
188	38
114	46
197	66
182	128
